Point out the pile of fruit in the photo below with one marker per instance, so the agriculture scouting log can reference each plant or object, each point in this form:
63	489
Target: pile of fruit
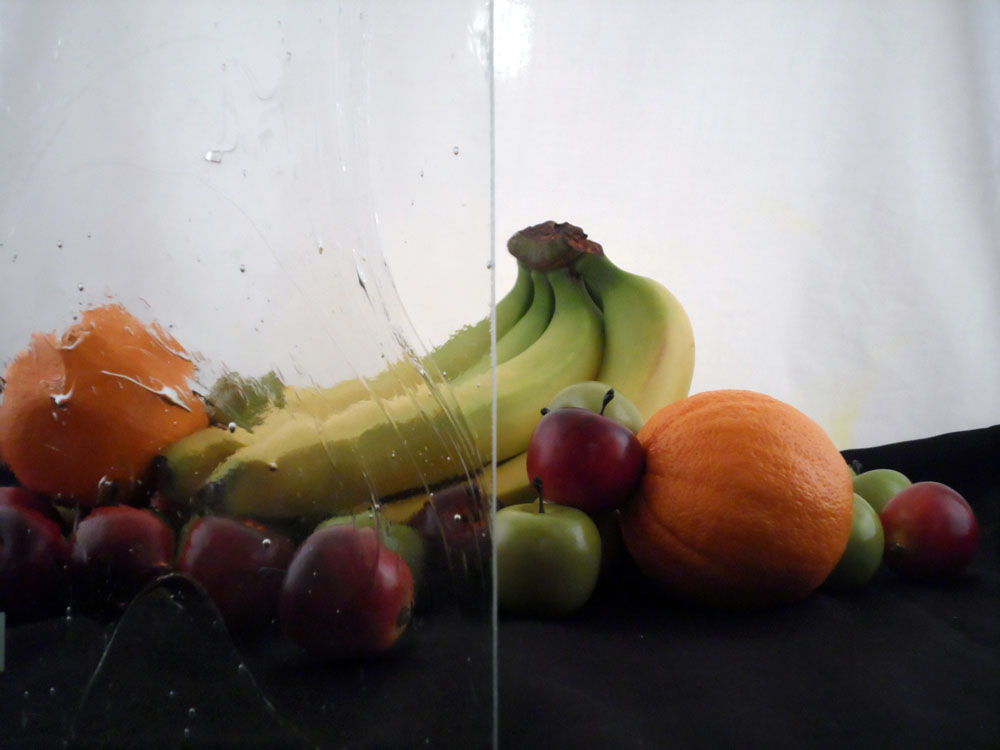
325	510
729	498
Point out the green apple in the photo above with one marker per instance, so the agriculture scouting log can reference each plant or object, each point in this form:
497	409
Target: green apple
879	486
590	394
863	556
400	538
548	558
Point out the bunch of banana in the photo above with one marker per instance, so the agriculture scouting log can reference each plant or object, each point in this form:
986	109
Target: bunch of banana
574	317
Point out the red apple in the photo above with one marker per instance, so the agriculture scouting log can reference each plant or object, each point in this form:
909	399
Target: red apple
117	548
240	564
455	519
585	459
174	512
930	531
34	557
345	594
23	498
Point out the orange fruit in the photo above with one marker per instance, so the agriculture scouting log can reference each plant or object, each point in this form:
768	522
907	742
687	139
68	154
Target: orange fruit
745	500
89	411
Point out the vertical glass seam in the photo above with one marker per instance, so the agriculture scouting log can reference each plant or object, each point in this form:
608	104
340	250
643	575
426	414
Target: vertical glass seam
491	85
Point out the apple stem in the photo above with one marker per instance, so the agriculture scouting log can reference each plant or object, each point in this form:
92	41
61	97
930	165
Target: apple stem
537	484
545	410
607	399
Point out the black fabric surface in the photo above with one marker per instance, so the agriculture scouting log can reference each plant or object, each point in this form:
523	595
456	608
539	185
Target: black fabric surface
898	664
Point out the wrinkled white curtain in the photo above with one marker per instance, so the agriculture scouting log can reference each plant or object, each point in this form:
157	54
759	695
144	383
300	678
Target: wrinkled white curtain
817	182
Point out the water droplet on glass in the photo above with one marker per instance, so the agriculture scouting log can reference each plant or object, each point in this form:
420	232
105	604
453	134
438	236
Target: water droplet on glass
288	56
59	245
320	247
266	543
26	695
52	691
187	732
458	517
223	67
213	156
489	265
455	151
192	711
79	287
421	173
243	268
171	693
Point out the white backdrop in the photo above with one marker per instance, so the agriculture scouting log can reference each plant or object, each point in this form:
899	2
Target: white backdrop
817	183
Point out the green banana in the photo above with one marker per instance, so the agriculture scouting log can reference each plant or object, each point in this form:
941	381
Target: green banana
380	447
649	343
467	346
524	333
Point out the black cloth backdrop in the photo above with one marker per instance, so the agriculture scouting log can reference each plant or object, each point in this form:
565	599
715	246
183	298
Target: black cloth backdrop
898	664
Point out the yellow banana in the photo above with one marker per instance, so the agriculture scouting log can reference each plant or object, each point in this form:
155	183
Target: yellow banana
512	484
184	466
465	348
381	447
649	343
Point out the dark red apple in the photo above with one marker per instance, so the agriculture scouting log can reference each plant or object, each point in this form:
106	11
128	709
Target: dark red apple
455	518
117	548
174	512
240	563
930	531
23	498
345	594
34	557
585	459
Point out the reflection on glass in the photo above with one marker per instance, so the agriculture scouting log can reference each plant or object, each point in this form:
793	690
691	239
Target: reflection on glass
242	499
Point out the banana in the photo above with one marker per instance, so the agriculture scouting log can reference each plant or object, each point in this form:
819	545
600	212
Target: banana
465	348
512	484
381	447
524	333
648	340
183	466
649	343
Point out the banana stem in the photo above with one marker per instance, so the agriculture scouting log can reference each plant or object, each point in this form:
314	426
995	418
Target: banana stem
548	246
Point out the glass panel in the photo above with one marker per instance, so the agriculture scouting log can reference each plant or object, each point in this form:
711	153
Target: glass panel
245	249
